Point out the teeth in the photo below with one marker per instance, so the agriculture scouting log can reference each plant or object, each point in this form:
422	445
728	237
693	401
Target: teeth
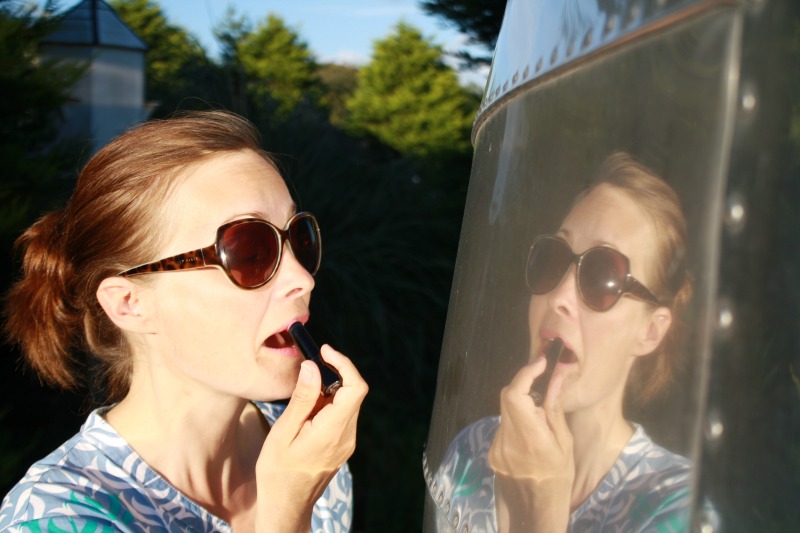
281	339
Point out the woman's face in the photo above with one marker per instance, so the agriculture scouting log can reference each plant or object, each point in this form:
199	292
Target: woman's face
600	347
212	335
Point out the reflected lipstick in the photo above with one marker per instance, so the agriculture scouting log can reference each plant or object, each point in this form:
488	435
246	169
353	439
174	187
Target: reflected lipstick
540	384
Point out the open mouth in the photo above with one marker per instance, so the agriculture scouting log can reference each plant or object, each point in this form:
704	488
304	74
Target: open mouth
279	340
567	356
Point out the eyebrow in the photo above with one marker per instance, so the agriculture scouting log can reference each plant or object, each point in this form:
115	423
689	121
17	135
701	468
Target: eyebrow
259	214
566	234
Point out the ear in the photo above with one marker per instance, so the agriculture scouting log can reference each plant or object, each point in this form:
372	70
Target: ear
653	331
126	304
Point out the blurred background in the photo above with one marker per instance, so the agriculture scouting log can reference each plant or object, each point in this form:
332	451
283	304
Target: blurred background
375	142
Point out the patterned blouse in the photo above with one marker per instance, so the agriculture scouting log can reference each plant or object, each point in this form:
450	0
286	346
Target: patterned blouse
95	482
647	489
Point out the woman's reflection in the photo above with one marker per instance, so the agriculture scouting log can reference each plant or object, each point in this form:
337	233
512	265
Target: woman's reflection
610	283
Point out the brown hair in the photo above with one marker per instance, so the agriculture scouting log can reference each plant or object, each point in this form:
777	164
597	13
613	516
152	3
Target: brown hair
109	224
669	280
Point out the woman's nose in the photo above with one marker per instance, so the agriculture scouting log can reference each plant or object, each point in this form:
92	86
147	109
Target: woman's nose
564	297
292	279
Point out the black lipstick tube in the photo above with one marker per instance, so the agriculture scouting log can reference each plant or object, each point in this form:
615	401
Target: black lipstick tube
331	380
540	384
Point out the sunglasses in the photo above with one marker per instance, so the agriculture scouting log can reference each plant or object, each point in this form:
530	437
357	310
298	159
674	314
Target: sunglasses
249	251
603	274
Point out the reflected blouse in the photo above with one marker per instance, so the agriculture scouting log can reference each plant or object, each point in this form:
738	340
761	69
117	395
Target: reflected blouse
96	483
647	488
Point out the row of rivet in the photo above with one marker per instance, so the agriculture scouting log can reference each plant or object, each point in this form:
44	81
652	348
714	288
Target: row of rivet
734	219
440	500
634	15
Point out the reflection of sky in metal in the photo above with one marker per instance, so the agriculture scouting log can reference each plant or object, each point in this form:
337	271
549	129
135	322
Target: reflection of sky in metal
540	36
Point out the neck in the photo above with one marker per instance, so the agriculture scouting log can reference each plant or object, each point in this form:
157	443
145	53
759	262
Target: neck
599	436
203	443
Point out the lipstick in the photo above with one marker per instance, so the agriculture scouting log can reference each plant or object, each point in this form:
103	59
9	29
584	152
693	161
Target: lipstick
540	384
331	380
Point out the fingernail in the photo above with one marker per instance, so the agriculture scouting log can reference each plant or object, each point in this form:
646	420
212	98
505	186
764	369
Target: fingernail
306	372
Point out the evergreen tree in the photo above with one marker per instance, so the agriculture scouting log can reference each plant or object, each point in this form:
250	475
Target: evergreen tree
479	20
34	90
410	100
338	82
279	66
177	67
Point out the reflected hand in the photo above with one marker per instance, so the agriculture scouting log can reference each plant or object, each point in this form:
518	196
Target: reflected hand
307	445
532	457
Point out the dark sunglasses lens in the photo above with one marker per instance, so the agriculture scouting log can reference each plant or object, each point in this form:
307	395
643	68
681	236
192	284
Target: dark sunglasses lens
601	278
305	242
549	259
251	252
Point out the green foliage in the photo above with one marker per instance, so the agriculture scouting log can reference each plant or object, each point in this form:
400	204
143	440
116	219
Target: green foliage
338	82
278	65
410	100
34	90
176	65
478	19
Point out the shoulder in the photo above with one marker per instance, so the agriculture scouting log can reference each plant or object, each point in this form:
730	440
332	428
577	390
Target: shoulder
96	482
648	488
77	483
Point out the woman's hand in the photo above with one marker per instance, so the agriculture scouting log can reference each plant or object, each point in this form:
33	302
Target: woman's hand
307	445
532	457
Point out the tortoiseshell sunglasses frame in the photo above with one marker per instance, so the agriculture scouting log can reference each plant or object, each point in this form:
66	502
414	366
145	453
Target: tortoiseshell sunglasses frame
214	254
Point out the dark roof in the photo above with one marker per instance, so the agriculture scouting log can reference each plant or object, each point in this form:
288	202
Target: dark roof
94	23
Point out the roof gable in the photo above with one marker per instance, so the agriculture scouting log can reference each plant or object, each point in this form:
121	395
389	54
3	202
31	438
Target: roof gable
94	23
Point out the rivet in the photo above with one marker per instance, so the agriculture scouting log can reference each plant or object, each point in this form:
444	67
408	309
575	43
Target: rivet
440	499
748	99
570	48
447	507
714	427
735	213
587	40
505	86
708	521
611	22
525	73
724	315
465	529
539	65
554	55
633	14
455	520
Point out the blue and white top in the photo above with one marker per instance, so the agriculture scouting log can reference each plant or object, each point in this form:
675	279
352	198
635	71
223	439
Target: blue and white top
647	488
95	482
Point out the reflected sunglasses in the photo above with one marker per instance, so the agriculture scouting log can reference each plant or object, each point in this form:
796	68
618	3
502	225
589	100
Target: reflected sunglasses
249	251
603	274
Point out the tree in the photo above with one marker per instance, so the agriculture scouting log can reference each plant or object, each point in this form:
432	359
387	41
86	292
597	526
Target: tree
34	90
176	64
278	65
410	100
338	82
479	20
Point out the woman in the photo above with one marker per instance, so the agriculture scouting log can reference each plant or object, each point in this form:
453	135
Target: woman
193	345
610	284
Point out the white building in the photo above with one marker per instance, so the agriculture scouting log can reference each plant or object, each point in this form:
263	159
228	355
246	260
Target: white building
109	98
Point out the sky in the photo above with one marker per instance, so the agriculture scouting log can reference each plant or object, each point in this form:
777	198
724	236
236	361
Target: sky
339	31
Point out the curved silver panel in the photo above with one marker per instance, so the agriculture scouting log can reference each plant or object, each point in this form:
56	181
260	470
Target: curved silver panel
542	38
